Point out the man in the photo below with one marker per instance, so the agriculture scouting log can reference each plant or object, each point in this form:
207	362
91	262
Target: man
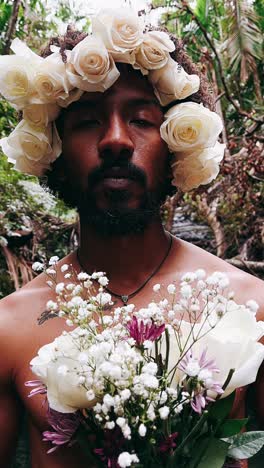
114	168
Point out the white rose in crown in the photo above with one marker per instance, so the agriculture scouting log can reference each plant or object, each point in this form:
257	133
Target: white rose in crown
231	344
58	367
16	78
171	82
153	52
40	87
39	115
33	143
17	73
28	166
51	81
190	126
121	30
199	167
66	100
90	67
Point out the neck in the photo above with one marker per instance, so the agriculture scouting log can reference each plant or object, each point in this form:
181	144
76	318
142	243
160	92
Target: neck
127	260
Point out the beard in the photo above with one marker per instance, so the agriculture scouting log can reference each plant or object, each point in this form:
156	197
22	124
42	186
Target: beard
118	219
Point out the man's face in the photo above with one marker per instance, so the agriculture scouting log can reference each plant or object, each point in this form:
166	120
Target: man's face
114	159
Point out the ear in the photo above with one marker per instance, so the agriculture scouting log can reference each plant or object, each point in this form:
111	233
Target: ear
169	173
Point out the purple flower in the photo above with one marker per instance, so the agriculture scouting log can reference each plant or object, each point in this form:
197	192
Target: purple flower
231	463
199	379
113	442
141	331
168	444
40	390
65	425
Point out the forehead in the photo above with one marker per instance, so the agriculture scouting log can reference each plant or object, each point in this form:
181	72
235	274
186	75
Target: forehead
130	86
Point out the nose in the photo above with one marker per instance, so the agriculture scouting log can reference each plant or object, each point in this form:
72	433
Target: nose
116	142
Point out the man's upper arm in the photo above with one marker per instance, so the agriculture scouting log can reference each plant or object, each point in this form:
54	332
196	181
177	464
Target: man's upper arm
10	408
10	411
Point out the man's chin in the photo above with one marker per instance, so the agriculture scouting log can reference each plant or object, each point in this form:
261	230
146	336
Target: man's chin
119	221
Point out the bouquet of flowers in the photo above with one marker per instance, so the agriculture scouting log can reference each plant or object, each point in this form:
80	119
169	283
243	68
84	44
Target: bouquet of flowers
154	386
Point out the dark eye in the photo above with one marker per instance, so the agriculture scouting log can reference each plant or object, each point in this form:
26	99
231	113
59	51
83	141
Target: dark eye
88	123
141	122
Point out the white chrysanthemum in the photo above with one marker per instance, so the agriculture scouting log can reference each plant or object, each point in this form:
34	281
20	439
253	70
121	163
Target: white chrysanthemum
164	412
142	430
126	459
37	266
252	305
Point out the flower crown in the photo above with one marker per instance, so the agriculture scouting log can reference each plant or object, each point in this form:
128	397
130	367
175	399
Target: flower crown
40	87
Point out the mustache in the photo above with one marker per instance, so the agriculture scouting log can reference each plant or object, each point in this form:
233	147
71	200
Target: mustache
122	168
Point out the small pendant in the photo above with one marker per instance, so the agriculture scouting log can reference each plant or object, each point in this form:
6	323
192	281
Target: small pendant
124	299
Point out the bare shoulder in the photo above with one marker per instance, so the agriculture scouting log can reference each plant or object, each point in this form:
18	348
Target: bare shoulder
244	285
18	317
24	306
19	328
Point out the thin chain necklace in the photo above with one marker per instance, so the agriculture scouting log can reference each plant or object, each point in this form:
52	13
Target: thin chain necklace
126	297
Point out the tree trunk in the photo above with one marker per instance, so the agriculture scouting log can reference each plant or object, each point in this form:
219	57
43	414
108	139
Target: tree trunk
11	26
210	213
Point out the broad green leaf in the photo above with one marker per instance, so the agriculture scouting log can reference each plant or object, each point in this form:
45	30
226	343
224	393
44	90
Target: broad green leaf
231	427
221	408
201	10
215	455
245	445
198	450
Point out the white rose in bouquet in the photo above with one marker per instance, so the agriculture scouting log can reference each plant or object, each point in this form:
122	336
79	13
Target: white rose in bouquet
153	52
189	126
121	31
171	82
231	344
60	368
90	67
197	168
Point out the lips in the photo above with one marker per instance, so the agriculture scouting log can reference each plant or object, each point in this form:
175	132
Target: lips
117	173
117	178
116	183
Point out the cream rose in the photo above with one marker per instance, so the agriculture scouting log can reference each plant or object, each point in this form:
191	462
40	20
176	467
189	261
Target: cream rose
90	67
36	144
153	52
16	80
74	95
58	367
51	81
17	73
171	82
28	166
41	114
232	344
189	126
199	167
22	50
121	31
